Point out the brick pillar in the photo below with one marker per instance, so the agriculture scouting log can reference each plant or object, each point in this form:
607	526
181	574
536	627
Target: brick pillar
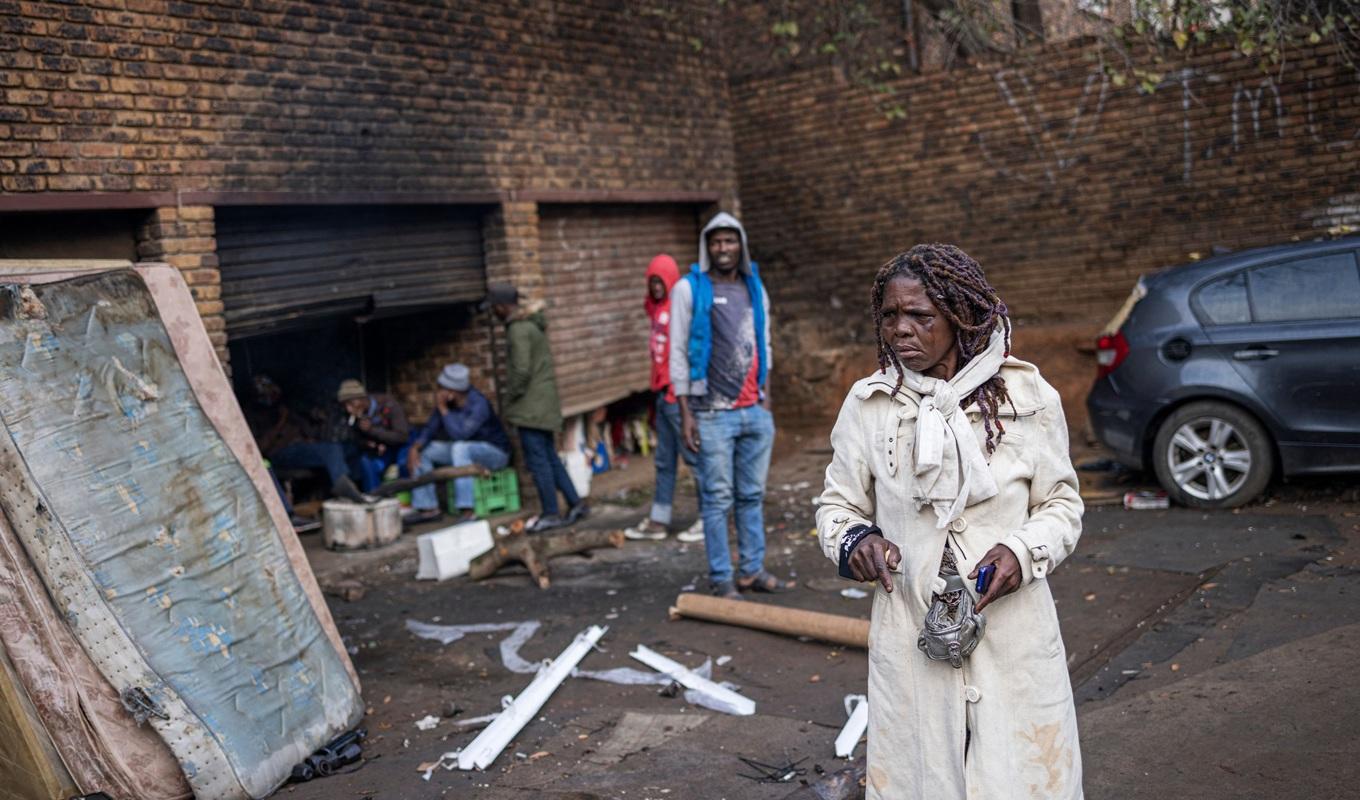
184	237
511	246
510	241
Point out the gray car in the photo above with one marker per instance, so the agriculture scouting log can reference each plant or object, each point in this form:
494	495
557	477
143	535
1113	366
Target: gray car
1220	374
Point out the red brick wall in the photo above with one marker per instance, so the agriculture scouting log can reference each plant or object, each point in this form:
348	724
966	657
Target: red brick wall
368	96
1064	187
279	95
418	349
184	237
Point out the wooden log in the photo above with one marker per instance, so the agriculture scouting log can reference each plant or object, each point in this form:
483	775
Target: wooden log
832	628
533	551
438	474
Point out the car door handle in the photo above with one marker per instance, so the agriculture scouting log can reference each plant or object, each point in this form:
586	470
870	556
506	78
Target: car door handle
1255	353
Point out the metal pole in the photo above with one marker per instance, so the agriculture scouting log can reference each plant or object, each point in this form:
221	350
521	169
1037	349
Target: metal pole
495	364
909	22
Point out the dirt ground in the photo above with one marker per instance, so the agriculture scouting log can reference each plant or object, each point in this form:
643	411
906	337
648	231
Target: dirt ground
1151	603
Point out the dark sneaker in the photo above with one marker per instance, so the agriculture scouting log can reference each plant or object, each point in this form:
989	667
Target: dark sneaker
546	522
346	488
577	513
465	515
418	516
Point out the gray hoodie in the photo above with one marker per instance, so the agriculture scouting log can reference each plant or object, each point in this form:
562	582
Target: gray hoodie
682	310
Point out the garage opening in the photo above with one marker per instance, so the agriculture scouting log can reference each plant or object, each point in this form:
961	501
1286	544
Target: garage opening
314	296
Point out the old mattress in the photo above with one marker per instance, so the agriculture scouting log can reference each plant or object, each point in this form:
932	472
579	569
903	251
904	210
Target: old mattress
160	630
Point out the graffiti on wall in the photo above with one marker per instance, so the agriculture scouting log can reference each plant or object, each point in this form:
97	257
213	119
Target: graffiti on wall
1037	145
1050	155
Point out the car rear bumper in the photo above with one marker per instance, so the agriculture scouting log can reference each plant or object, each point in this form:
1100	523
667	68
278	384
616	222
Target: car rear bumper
1116	423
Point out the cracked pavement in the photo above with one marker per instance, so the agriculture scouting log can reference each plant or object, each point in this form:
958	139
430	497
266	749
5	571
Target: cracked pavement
1209	654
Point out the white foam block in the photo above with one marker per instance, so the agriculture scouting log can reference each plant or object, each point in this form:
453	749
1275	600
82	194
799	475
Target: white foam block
448	552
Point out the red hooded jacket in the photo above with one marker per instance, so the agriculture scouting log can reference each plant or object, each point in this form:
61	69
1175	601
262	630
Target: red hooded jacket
659	311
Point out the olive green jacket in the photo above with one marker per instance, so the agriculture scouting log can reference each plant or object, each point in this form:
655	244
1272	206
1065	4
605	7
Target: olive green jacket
530	394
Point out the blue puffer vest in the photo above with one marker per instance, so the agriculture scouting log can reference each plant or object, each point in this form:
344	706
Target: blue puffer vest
700	347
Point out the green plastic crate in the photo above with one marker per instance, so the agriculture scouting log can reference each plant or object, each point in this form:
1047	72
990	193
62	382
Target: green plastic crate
497	493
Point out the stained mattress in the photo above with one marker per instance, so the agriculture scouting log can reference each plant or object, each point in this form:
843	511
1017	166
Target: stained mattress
163	632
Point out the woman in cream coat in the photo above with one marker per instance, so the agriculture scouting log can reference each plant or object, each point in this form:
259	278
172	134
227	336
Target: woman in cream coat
953	445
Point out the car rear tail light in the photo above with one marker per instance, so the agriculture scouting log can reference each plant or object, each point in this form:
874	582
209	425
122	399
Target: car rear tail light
1110	353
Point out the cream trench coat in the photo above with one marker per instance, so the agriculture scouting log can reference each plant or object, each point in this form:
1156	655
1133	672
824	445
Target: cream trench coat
1013	694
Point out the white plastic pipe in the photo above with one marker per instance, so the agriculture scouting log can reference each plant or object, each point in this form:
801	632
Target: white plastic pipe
854	727
742	706
491	741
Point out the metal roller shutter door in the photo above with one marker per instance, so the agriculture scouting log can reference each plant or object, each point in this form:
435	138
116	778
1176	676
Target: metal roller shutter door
286	267
594	261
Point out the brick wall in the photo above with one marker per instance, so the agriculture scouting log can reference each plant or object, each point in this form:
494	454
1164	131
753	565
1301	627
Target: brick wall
368	95
318	98
183	237
593	264
419	347
1063	186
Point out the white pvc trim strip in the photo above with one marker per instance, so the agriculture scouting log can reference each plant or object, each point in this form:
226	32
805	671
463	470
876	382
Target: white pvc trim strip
854	727
742	706
491	741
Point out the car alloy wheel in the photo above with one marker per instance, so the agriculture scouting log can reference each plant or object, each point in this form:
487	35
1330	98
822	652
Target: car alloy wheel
1212	455
1208	459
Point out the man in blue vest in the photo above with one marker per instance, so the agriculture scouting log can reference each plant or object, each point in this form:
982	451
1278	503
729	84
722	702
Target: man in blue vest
720	362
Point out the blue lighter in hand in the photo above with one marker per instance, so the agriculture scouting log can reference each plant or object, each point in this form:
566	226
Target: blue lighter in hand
984	578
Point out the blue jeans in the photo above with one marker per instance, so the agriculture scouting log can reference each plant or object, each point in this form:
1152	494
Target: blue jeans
278	487
455	454
540	456
668	446
329	456
734	460
367	467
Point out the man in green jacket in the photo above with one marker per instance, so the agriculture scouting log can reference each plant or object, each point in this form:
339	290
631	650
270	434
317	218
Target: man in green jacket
531	403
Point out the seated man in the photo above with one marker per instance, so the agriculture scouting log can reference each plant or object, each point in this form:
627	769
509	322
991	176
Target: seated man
378	431
288	440
462	431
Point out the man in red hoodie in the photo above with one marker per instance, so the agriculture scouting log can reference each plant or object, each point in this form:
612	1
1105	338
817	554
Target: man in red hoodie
662	274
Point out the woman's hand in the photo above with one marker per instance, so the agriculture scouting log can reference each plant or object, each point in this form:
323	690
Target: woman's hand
875	557
1005	580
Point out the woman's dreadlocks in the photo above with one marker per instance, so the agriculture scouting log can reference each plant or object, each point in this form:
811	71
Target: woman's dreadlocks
955	284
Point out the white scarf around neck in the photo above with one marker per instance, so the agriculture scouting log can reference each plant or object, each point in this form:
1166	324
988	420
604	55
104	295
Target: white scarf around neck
949	471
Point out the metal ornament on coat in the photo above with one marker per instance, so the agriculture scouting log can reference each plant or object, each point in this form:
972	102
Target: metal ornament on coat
951	634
